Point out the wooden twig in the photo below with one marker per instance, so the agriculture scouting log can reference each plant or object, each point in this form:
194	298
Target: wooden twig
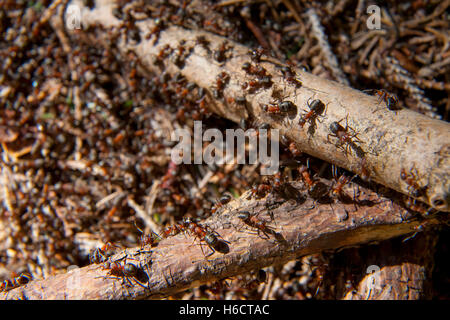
300	226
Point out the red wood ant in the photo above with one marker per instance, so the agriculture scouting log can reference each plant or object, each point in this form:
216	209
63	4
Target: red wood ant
282	108
303	170
208	236
260	190
256	54
343	134
411	181
390	99
221	81
253	221
156	30
172	230
101	254
316	189
254	85
220	54
148	239
124	271
290	76
316	107
258	71
222	201
411	204
18	281
202	41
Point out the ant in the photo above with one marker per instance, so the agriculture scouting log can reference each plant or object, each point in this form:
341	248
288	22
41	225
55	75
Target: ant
124	271
343	134
253	221
147	239
260	190
101	254
316	107
410	204
156	30
173	230
256	54
203	234
162	54
337	188
390	99
220	53
202	41
411	181
258	71
290	76
18	281
254	85
222	201
282	108
316	189
221	81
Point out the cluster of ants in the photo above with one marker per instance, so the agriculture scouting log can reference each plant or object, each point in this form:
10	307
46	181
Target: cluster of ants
15	282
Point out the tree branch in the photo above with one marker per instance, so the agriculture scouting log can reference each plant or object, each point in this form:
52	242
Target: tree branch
300	226
387	141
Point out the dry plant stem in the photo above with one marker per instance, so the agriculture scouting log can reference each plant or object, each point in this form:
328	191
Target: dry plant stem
389	141
299	227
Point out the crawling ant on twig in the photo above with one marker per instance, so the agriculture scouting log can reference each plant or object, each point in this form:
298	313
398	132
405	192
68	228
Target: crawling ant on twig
222	201
390	99
337	188
18	281
316	107
156	30
258	71
220	55
260	190
147	239
282	108
343	135
101	254
124	272
210	237
411	204
254	85
253	221
290	76
202	41
222	80
316	189
411	180
256	54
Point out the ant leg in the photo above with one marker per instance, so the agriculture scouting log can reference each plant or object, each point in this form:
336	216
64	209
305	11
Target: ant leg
213	251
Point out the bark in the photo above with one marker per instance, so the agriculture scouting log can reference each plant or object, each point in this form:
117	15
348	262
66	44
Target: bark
387	141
